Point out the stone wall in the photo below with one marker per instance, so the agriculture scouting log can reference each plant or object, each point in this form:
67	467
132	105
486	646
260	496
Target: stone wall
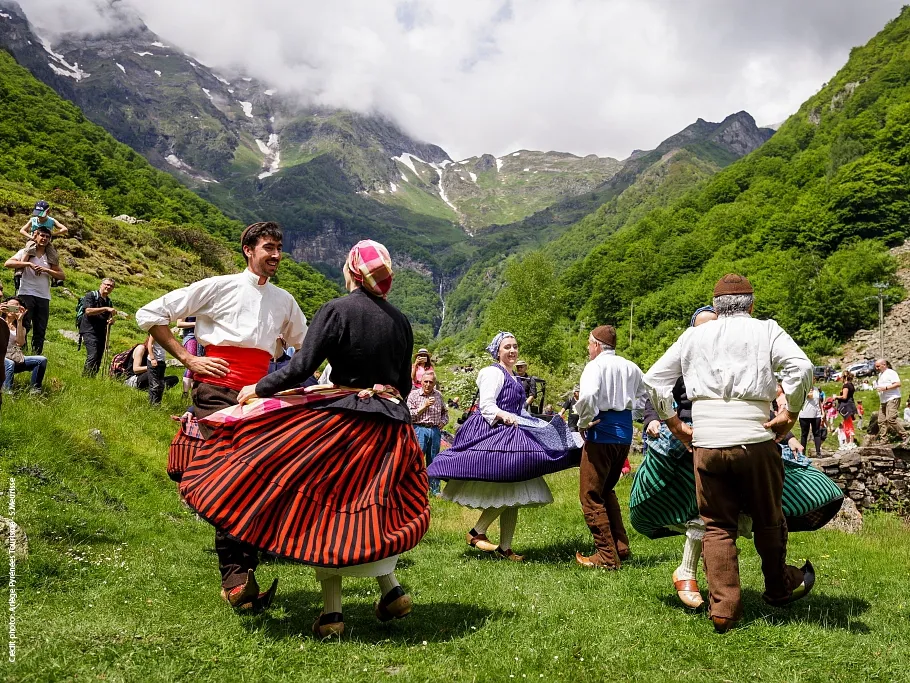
873	476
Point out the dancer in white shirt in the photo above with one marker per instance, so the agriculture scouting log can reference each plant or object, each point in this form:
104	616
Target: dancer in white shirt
728	367
238	321
610	388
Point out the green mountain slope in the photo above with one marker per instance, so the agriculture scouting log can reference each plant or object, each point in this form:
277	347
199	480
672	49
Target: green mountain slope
806	217
647	180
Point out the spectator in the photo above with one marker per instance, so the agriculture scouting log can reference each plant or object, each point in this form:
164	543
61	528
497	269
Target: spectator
888	386
528	383
40	219
139	369
568	409
907	413
429	415
846	406
810	418
156	369
187	326
15	361
422	363
548	410
35	288
860	414
94	325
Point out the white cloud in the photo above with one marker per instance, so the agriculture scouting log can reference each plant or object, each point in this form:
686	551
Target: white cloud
474	76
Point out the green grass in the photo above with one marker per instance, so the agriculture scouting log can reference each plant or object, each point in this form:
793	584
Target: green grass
122	585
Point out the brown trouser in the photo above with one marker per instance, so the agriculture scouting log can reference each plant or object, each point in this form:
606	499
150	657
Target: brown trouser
887	420
600	469
748	479
235	558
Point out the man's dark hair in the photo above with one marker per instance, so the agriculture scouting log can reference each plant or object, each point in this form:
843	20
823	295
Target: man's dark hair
253	233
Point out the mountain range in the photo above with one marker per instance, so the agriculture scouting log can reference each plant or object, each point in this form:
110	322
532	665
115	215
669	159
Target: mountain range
332	176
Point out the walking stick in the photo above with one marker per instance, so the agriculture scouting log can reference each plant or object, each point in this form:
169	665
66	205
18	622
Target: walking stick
107	338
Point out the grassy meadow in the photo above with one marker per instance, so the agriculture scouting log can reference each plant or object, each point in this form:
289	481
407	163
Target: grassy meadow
121	583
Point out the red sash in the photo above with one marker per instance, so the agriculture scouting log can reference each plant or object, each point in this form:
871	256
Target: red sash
247	366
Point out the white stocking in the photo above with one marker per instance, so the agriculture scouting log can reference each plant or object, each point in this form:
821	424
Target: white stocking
507	527
331	594
387	582
487	517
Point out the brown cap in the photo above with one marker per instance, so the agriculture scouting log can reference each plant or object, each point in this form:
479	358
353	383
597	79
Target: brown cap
605	334
731	283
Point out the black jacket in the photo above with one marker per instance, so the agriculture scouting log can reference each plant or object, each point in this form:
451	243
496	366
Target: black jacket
366	340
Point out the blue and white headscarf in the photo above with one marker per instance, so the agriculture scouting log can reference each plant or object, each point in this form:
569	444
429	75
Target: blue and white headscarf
703	309
493	348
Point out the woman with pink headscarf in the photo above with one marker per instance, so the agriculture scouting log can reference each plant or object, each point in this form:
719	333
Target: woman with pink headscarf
330	476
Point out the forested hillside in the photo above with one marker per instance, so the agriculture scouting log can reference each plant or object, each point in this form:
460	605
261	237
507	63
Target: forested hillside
49	150
807	217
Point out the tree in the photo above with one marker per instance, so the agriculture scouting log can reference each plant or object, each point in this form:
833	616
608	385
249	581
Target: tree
530	306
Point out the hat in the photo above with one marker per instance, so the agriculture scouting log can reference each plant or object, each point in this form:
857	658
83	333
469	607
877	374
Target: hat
577	387
731	283
605	334
370	265
521	362
423	352
41	208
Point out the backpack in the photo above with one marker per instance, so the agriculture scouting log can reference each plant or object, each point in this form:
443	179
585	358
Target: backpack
122	363
81	306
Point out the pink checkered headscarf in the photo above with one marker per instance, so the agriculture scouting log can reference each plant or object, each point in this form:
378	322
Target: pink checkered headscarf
370	265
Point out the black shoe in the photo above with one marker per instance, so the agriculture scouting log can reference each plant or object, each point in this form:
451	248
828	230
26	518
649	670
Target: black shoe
396	604
802	590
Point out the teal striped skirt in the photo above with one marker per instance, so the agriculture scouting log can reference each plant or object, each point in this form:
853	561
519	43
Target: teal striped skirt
663	495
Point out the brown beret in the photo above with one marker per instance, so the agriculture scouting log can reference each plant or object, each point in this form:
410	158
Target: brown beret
605	334
731	283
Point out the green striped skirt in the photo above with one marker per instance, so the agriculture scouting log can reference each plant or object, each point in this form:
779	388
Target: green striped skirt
663	495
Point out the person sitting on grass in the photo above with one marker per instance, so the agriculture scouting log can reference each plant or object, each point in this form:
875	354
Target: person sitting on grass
16	361
139	369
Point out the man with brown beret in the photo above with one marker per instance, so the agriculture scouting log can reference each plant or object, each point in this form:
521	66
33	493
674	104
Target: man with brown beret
728	366
610	388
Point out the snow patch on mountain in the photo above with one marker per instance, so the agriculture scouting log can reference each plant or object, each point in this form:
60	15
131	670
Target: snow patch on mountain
473	177
405	178
223	80
408	160
63	68
157	73
498	165
120	66
159	44
269	92
144	54
5	16
181	165
247	108
208	94
394	187
442	193
272	154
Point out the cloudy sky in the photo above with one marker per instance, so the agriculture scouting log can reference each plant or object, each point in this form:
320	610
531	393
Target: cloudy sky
474	76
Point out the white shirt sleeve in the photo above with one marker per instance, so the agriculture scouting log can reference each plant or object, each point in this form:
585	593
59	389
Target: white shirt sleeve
589	387
192	300
661	379
294	328
489	384
794	366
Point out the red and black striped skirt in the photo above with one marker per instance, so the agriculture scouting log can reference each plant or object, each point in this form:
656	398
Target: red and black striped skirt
184	447
325	487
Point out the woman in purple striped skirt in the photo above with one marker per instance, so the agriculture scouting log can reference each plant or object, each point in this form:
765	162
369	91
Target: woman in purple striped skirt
500	454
